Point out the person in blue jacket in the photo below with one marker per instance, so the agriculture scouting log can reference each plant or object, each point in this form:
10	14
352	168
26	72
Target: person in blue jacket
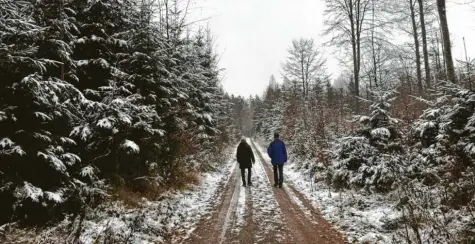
278	154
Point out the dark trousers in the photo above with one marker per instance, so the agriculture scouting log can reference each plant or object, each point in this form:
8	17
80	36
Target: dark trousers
243	175
278	176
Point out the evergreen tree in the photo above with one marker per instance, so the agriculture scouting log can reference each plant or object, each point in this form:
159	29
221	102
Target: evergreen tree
38	111
98	92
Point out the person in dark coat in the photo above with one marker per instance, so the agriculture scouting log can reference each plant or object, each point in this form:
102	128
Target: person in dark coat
278	154
245	158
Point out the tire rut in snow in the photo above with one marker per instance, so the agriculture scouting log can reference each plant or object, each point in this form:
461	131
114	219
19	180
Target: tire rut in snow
233	220
303	221
267	215
262	217
213	228
242	224
243	215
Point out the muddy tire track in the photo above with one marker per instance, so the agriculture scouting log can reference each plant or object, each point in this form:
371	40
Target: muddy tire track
302	220
262	213
243	214
214	227
243	225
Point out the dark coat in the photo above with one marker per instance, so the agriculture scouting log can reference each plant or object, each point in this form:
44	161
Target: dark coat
277	152
245	156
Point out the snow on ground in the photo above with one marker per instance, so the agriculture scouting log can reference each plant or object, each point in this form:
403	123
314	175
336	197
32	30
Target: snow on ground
266	211
363	218
172	218
300	204
360	217
176	215
240	210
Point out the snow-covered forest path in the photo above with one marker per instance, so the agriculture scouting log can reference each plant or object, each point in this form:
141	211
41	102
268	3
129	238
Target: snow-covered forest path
262	213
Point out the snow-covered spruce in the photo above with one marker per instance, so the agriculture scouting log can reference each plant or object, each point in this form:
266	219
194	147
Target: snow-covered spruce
368	158
95	94
169	219
437	190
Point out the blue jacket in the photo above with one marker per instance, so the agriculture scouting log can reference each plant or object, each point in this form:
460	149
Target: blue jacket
277	152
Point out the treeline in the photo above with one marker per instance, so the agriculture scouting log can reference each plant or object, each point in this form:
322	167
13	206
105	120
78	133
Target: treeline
103	93
388	43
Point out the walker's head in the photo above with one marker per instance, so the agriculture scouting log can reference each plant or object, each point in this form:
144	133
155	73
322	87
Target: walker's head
276	135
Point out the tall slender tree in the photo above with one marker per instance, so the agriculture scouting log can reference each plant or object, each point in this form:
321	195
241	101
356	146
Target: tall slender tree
424	41
444	26
306	64
345	20
415	34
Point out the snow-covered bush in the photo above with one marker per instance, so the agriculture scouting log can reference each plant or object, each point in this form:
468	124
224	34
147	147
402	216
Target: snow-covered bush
363	160
441	166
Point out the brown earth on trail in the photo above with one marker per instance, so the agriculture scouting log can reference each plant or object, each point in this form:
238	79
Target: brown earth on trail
305	228
300	222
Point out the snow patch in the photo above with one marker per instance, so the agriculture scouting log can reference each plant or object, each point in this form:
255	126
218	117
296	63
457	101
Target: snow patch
87	171
54	196
130	145
104	123
69	141
82	131
54	161
241	208
380	133
3	116
178	212
6	143
71	158
124	118
208	117
29	191
42	116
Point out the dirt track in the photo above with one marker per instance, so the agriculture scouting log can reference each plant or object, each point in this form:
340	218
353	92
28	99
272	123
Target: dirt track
262	213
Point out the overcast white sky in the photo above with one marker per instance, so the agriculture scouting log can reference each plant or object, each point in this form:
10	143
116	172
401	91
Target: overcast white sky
252	36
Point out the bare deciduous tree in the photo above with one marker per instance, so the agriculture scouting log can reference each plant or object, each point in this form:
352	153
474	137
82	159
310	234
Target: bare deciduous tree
424	41
305	63
446	41
415	34
345	20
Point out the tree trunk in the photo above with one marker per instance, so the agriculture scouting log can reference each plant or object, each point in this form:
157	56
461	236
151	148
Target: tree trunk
424	42
355	57
438	61
416	43
373	51
449	63
360	17
166	20
305	91
303	77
